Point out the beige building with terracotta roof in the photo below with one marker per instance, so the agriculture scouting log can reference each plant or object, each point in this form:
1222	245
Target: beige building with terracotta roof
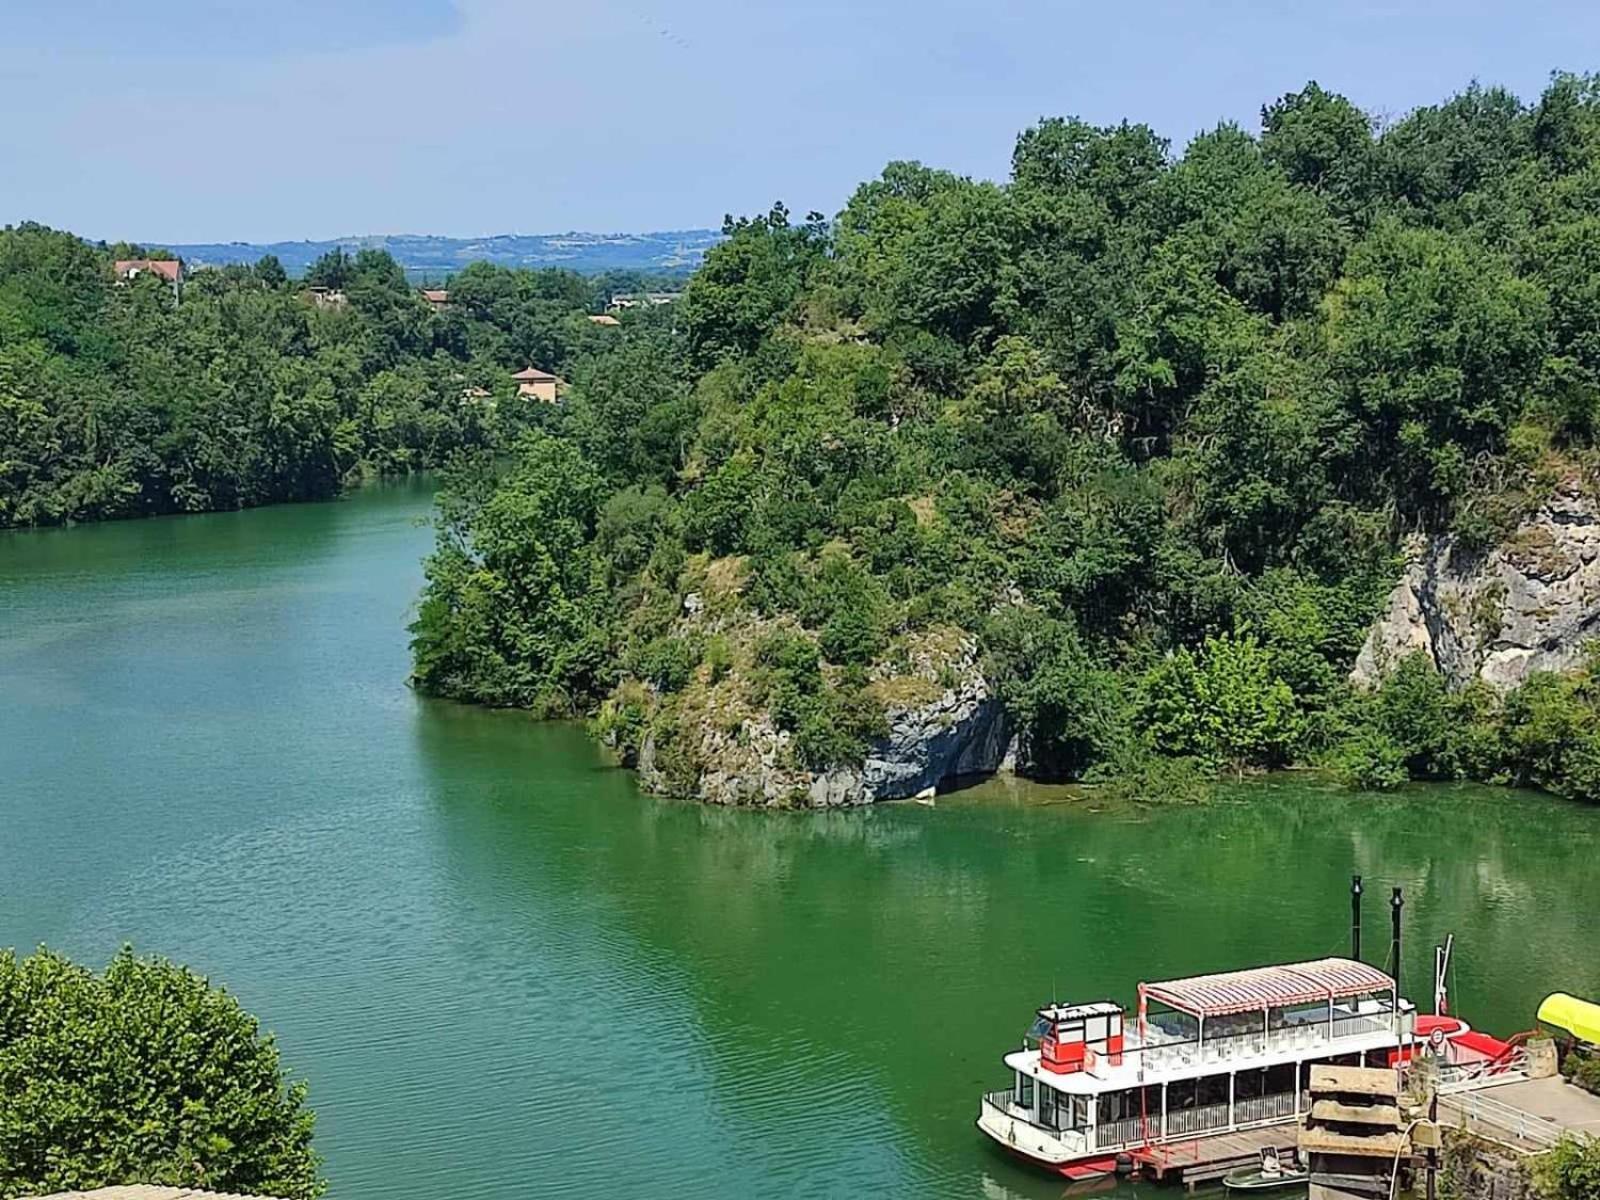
534	384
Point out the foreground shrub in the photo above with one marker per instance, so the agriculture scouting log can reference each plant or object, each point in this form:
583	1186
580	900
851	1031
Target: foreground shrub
145	1073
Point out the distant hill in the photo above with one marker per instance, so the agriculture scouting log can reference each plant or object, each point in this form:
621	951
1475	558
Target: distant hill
427	257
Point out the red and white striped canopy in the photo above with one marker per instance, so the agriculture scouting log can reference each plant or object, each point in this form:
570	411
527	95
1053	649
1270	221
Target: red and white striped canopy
1269	987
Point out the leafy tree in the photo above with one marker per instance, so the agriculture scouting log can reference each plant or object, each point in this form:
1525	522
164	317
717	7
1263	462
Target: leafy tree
1119	166
1322	141
1274	246
1224	705
117	401
1070	710
1146	428
269	271
331	270
1371	761
1439	155
1566	123
1436	344
1550	729
514	611
749	282
143	1073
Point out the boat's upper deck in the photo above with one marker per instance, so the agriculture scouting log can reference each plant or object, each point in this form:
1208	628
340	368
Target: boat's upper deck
1208	1024
1164	1055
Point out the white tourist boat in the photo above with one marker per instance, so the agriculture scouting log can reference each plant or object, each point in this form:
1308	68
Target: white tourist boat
1200	1056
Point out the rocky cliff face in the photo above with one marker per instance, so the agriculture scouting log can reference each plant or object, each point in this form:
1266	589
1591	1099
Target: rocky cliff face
943	724
963	731
1528	605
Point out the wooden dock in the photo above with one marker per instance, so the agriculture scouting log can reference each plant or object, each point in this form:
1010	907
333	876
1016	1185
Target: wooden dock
1207	1158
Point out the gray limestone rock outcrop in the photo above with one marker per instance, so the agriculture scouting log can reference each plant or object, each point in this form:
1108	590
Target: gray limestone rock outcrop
960	731
1527	605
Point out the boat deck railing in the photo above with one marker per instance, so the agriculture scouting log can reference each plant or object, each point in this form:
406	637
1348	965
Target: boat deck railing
1065	1141
1130	1131
1005	1101
1200	1119
1194	1121
1252	1109
1146	1128
1167	1054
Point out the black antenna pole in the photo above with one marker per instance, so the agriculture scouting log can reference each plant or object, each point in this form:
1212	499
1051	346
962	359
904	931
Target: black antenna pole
1397	903
1355	917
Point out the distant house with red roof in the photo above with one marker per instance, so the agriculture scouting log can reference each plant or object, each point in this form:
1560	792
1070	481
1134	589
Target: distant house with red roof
535	384
437	298
170	269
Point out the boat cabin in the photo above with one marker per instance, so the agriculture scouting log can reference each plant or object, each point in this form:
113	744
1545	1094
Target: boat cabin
1074	1037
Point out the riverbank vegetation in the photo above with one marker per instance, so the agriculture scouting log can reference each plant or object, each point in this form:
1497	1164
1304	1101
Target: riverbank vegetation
1545	733
143	1073
1571	1171
118	399
1582	1067
1146	426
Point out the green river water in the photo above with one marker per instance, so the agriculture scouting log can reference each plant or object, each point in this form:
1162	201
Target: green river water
507	973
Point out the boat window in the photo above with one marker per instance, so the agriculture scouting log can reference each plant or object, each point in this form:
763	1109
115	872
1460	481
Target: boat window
1024	1092
1299	1015
1181	1094
1048	1098
1119	1106
1280	1079
1061	1110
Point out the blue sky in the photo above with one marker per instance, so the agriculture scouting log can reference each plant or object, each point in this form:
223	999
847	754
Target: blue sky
202	120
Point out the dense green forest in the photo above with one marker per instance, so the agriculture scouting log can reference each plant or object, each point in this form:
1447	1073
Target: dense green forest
1146	426
117	399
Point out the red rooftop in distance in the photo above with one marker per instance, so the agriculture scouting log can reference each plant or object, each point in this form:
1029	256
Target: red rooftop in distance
170	269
